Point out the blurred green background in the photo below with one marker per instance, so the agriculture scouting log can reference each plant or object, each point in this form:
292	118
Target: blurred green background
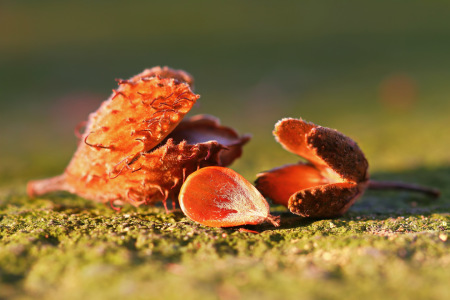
378	71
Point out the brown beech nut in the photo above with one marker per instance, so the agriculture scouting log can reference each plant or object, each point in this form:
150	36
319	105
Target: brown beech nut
132	149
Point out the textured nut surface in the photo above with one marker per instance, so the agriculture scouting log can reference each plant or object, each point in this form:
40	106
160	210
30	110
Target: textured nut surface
325	201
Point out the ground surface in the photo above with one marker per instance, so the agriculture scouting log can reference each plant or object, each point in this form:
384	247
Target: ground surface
378	72
63	247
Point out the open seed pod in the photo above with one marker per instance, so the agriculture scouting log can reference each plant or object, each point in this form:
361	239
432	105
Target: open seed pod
331	180
127	152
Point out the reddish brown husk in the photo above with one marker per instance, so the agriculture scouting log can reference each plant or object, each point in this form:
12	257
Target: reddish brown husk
127	153
325	186
334	177
220	197
203	128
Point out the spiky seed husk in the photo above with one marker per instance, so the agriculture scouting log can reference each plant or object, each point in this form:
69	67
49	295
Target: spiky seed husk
125	153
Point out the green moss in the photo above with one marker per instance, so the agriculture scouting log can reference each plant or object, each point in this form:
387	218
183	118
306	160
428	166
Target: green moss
53	248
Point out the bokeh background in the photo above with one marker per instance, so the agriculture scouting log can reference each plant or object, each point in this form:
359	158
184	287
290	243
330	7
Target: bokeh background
378	71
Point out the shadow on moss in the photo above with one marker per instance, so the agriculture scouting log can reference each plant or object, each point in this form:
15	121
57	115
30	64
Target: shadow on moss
404	202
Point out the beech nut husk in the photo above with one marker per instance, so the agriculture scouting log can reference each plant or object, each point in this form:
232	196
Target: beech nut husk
137	149
333	177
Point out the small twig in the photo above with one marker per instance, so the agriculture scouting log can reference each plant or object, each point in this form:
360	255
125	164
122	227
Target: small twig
40	187
275	220
394	185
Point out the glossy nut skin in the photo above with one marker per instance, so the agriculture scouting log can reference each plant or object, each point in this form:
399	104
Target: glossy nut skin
220	197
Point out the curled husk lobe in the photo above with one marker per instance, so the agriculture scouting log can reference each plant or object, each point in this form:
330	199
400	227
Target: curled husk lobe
203	128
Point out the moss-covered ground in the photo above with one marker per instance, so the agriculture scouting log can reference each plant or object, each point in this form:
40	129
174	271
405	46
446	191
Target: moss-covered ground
65	247
378	71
